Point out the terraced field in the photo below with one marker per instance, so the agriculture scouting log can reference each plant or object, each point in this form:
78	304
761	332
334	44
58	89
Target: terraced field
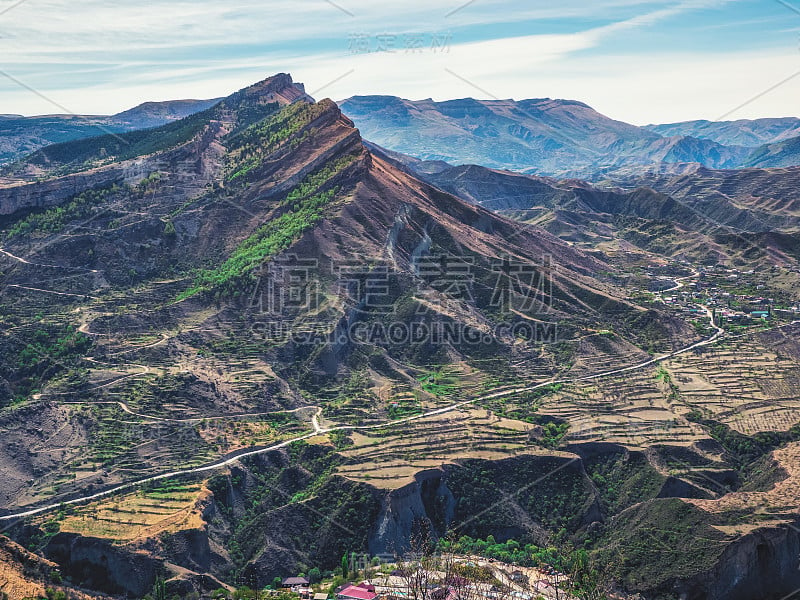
636	409
144	514
747	383
425	389
390	457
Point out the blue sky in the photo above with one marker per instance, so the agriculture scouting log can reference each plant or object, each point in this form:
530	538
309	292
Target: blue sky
641	61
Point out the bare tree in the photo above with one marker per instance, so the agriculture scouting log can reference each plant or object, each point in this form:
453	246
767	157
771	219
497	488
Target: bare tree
432	574
414	567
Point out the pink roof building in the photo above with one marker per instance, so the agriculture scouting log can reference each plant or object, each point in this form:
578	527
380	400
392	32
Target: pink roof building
357	592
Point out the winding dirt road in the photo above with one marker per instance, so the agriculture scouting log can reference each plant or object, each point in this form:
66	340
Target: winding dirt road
318	430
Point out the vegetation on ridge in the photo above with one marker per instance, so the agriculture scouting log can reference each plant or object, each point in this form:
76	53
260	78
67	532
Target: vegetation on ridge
306	203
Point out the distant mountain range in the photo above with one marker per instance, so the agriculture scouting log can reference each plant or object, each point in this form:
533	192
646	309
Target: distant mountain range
562	138
21	135
742	132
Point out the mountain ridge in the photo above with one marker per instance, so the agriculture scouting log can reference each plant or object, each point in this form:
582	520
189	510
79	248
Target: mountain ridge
743	132
563	138
21	135
536	136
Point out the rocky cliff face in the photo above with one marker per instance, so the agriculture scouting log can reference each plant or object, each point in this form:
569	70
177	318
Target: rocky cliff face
192	166
25	196
759	565
426	500
98	565
20	135
762	565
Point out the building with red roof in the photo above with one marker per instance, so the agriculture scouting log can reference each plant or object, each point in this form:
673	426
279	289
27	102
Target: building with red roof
357	592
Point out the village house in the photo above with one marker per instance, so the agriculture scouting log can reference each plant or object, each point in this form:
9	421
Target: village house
299	585
361	591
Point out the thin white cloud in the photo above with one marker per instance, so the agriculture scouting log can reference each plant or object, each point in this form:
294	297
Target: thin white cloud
116	55
651	18
96	27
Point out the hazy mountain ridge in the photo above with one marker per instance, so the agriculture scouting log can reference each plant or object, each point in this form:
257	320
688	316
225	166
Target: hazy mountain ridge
751	133
562	138
21	135
707	230
769	196
777	154
545	136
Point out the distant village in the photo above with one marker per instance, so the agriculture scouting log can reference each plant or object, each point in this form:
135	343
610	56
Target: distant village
732	296
467	578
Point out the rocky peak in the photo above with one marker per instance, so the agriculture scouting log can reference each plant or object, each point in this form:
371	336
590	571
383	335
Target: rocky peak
278	88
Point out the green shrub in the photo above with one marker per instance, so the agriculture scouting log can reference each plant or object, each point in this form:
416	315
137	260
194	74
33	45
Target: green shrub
54	220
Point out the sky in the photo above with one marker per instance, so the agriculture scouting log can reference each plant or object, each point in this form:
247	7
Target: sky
640	61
